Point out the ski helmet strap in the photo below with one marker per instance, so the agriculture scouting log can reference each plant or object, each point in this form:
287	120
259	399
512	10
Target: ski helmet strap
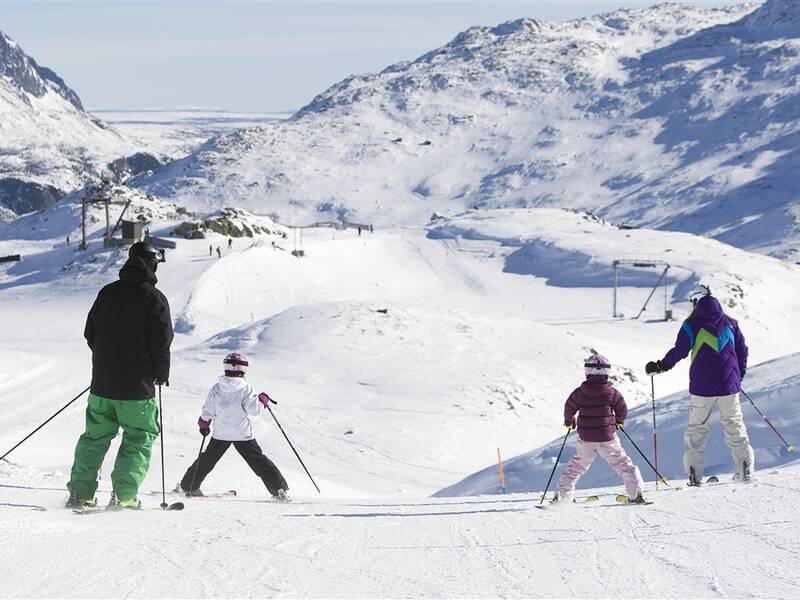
596	365
236	361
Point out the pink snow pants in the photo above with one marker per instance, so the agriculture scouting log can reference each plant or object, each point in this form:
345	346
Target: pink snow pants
613	453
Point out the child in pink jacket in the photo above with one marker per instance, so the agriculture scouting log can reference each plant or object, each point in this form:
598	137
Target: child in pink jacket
600	408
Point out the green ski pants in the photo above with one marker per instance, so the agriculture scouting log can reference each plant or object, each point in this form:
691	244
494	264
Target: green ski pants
104	417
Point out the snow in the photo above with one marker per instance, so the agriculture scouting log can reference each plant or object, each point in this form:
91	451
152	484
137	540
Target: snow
176	132
404	359
46	137
670	117
401	360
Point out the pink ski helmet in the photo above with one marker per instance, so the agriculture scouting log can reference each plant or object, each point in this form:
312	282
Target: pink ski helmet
597	364
236	362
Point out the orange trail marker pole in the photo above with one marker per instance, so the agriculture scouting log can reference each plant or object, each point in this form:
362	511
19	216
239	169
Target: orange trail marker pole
502	471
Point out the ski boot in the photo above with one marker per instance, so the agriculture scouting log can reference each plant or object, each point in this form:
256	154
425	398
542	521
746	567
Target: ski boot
282	497
198	493
744	475
694	480
639	499
115	504
74	502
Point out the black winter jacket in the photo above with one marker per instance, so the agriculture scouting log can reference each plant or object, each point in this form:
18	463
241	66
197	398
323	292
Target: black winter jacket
129	330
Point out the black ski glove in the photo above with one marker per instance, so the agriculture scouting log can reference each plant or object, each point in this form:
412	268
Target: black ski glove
654	367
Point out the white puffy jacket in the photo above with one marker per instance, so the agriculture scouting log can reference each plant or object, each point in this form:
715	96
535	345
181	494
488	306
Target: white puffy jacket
229	405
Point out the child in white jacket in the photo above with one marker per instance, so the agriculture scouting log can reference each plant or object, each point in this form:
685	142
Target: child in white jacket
230	404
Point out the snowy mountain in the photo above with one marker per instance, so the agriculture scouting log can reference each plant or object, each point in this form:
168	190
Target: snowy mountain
48	143
671	117
407	359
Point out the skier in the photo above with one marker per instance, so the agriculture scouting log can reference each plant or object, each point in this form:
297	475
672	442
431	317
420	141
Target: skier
230	404
601	408
129	330
230	243
219	252
719	362
210	250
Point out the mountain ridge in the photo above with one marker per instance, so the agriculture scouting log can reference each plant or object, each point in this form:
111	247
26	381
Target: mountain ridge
670	117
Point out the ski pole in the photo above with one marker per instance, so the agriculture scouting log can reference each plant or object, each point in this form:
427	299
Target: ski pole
655	438
789	447
161	433
291	446
59	411
553	472
197	464
164	505
660	477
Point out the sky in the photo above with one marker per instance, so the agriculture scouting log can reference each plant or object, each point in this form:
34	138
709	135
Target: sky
248	56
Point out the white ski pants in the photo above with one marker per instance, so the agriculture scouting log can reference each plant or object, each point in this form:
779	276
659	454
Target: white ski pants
696	436
613	453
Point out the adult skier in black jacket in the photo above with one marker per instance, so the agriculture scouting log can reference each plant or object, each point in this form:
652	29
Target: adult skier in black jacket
129	330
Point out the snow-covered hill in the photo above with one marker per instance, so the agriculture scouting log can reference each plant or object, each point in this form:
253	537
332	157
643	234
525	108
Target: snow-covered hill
400	360
671	117
48	143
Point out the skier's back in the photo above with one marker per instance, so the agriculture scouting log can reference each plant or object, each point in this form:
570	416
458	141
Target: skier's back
600	408
230	405
719	361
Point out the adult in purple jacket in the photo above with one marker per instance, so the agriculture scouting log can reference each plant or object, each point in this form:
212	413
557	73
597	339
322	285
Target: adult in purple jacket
719	361
600	407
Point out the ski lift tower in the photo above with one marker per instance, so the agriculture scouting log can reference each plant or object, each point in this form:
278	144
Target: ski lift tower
97	195
645	264
298	251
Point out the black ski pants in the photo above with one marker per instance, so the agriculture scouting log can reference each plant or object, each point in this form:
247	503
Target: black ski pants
249	450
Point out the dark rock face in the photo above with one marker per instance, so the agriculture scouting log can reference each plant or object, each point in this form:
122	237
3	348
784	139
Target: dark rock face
124	168
24	196
30	77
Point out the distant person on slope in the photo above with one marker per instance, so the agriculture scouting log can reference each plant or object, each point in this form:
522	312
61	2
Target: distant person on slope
230	405
129	330
600	408
719	361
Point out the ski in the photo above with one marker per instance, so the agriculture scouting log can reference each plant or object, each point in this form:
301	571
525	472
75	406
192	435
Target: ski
624	499
557	505
208	496
93	510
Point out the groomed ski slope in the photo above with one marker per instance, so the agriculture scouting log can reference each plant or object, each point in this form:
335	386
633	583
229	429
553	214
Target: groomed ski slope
728	541
400	360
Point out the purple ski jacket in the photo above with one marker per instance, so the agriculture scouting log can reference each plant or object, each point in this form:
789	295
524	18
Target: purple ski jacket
719	352
599	406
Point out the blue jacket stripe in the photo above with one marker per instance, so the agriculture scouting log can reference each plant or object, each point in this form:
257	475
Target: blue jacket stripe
688	331
725	337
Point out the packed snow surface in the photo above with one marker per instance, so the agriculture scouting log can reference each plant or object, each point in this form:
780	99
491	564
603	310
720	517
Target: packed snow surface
506	174
401	361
